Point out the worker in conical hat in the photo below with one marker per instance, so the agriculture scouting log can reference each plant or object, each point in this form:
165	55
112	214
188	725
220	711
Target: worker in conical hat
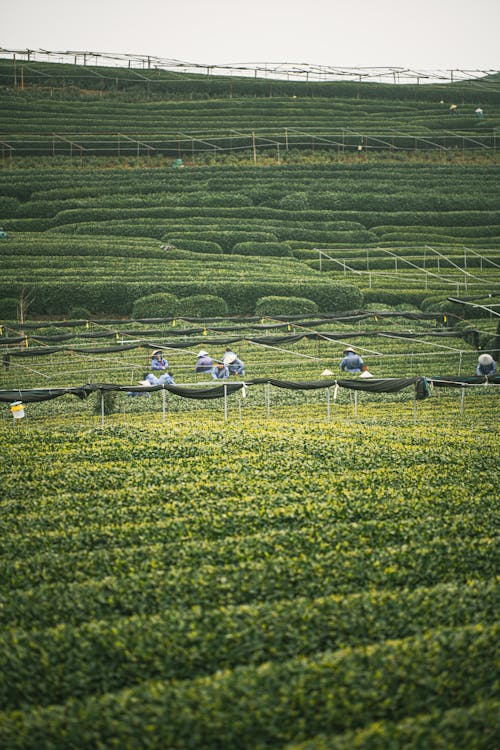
204	362
486	365
352	362
158	362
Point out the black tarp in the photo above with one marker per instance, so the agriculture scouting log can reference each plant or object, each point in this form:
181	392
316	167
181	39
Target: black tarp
374	385
277	320
39	351
450	381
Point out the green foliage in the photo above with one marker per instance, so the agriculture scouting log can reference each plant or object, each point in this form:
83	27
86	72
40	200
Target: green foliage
158	305
295	201
79	313
8	308
202	306
197	246
285	306
393	297
276	249
104	402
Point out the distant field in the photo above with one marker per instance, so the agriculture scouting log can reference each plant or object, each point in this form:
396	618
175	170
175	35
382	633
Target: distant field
96	238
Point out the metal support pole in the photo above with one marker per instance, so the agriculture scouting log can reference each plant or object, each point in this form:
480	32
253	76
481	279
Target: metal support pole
462	402
328	404
164	395
268	399
225	402
415	406
102	408
460	363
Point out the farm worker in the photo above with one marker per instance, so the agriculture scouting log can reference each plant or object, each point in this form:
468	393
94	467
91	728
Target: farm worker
145	381
351	362
233	363
453	109
219	371
204	362
486	365
479	113
158	362
365	373
150	379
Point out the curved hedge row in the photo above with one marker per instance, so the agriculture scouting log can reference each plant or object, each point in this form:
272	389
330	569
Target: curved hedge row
240	297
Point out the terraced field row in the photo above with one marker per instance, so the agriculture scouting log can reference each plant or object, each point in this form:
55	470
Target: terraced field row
255	577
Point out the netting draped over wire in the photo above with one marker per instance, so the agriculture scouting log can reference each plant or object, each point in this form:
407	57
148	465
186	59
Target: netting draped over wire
374	385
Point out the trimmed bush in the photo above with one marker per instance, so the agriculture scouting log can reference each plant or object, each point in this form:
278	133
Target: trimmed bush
295	201
79	313
8	308
279	249
196	246
441	304
202	306
392	298
159	305
285	306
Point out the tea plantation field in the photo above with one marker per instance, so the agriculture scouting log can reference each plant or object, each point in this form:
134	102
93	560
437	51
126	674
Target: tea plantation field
311	568
264	582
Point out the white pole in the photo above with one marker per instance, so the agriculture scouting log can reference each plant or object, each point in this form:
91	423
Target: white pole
462	402
268	399
328	404
163	393
225	402
102	408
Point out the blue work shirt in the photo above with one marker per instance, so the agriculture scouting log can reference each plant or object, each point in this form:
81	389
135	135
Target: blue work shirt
159	364
351	363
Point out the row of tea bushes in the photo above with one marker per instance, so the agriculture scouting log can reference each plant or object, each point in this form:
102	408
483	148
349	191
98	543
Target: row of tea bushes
299	606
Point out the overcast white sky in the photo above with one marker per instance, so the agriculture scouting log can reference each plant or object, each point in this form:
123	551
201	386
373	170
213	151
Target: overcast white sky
425	34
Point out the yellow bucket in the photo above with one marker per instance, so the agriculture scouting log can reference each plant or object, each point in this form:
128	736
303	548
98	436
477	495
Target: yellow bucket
17	409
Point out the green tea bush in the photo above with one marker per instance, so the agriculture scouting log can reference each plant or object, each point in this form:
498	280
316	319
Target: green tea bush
295	201
104	402
439	303
159	305
197	246
394	297
79	313
8	308
262	248
202	306
285	306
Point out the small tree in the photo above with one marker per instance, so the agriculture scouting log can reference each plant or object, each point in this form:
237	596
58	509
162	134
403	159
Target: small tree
24	302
